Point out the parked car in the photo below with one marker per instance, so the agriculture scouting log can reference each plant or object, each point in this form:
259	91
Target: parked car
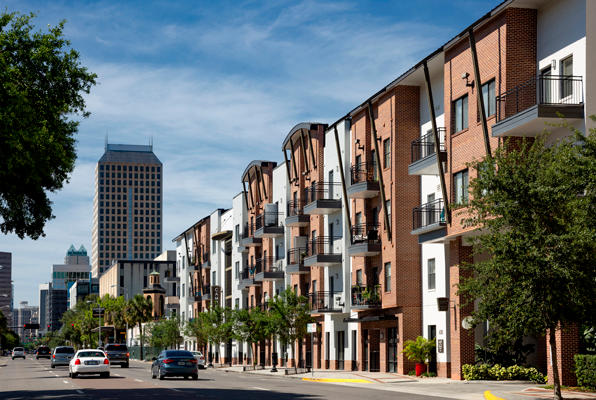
62	356
200	359
18	352
89	361
174	363
43	352
117	354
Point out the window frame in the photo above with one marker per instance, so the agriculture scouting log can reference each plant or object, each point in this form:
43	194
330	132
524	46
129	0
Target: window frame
387	153
465	194
465	113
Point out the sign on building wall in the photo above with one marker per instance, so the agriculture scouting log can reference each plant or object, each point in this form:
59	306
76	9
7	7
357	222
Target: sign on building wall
216	295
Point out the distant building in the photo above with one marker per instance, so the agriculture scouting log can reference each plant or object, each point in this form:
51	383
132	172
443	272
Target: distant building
6	284
44	289
57	305
127	207
26	314
81	289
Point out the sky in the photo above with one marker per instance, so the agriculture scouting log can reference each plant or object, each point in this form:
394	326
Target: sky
214	85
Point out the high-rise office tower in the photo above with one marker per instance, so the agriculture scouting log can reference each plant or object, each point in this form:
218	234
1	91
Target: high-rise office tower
127	208
6	284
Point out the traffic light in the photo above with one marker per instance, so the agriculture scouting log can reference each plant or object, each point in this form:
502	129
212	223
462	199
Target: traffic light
48	326
31	326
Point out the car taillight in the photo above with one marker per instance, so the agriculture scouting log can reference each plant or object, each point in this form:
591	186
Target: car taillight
127	354
77	362
105	361
201	358
193	361
167	361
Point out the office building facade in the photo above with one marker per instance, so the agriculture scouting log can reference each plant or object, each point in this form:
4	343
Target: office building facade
6	298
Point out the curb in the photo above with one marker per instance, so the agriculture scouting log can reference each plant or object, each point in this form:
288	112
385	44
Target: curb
489	396
337	380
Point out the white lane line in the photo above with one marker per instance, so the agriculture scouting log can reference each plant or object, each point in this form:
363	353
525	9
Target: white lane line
175	390
80	391
65	381
139	380
259	388
117	374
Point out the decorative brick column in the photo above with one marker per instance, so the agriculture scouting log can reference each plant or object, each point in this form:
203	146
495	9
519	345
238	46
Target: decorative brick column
567	342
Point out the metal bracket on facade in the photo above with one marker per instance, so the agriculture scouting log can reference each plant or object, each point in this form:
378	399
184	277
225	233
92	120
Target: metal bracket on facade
304	151
478	81
312	152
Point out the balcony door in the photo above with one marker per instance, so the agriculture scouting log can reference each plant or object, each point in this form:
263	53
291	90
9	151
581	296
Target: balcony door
331	238
392	350
341	339
545	89
330	185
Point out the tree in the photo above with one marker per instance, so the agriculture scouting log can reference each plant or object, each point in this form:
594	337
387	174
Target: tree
289	315
138	310
220	324
43	83
536	207
8	338
250	326
198	327
165	333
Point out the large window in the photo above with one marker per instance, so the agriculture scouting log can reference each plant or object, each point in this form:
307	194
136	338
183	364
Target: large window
386	153
388	277
460	114
460	187
431	273
567	70
488	96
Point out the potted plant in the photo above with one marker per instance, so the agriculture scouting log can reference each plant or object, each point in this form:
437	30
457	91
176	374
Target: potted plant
419	351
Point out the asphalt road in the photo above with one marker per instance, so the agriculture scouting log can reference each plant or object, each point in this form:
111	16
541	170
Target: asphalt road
34	379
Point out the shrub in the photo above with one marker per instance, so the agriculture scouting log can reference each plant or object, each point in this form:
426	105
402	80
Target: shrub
585	370
500	373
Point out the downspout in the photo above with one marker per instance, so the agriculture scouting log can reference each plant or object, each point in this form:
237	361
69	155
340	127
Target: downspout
343	182
431	105
381	185
479	91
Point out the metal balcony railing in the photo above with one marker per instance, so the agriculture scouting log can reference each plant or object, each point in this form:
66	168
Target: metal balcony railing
323	301
543	89
270	264
322	245
321	191
366	296
268	219
424	146
366	233
295	208
297	255
245	273
249	230
428	214
257	267
364	172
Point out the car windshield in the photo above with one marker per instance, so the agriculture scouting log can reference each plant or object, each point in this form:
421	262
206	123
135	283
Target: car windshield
178	353
83	354
116	347
65	350
19	349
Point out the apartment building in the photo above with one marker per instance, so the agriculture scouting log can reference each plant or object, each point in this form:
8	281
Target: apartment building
127	207
364	216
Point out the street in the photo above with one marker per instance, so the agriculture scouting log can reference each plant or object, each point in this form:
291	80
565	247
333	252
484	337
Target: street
34	379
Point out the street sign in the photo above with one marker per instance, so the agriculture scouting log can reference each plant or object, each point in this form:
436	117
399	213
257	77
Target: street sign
311	328
98	312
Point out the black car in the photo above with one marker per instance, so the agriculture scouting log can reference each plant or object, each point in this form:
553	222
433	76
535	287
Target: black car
117	354
175	363
43	352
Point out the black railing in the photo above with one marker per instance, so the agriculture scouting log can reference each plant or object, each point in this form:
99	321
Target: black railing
424	146
321	245
364	172
297	255
268	219
428	214
198	292
295	208
543	89
245	273
249	230
323	301
270	264
366	233
366	296
257	267
322	191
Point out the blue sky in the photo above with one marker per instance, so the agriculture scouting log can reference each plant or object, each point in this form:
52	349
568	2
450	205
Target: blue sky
215	85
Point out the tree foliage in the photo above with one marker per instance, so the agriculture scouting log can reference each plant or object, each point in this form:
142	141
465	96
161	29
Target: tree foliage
42	84
165	333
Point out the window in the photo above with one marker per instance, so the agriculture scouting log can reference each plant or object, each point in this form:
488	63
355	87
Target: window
460	187
431	273
490	100
388	207
386	153
237	232
359	277
388	277
237	269
567	71
461	113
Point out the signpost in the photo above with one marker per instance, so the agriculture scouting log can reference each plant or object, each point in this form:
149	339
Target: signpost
311	328
98	312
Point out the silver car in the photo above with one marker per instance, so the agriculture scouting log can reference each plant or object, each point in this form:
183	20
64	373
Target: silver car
200	359
18	352
62	356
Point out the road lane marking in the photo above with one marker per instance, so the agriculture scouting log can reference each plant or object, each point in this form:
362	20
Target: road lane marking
65	381
260	388
139	380
117	374
489	396
175	390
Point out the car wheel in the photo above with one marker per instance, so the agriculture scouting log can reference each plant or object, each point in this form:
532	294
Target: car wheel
185	376
13	359
161	377
153	376
105	374
124	365
53	366
74	375
195	377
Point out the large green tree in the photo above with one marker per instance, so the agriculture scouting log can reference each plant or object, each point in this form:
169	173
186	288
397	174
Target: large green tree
42	86
251	326
220	324
536	207
165	333
138	310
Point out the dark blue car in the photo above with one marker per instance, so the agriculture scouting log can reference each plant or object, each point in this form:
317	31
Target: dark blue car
175	363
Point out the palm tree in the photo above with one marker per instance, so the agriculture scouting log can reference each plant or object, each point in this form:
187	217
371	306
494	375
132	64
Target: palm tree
137	311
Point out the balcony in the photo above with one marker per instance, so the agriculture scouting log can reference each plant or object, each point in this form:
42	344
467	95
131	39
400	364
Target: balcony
295	214
206	261
321	253
526	109
296	262
246	279
268	225
270	269
320	198
248	239
424	155
364	181
366	297
428	221
366	241
325	302
199	295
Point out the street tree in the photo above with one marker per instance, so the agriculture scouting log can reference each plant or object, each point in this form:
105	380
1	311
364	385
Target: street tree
198	327
220	325
165	333
43	88
535	207
250	326
138	311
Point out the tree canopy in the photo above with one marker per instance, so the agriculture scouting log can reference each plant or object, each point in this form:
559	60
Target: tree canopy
42	84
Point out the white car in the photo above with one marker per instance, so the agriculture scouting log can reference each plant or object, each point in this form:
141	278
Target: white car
200	359
18	352
89	361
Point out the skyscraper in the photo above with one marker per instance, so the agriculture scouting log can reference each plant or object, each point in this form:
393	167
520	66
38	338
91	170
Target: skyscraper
127	217
6	285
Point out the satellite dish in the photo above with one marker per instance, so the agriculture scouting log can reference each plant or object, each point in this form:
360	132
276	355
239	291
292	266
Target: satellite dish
466	323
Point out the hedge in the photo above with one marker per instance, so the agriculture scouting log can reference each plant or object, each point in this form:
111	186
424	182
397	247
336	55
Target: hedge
499	373
585	370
